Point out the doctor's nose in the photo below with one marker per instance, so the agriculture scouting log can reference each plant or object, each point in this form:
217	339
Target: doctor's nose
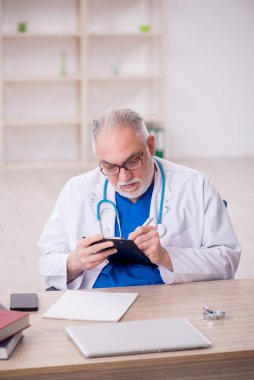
124	175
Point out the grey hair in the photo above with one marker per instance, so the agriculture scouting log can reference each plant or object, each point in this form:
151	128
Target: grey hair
116	118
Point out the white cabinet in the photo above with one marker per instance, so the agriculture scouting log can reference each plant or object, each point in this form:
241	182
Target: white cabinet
64	61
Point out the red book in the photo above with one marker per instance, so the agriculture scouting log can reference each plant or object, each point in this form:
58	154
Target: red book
11	322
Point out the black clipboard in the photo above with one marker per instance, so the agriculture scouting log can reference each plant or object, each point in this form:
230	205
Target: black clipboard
127	252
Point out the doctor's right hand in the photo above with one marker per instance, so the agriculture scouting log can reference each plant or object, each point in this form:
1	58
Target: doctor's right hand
88	255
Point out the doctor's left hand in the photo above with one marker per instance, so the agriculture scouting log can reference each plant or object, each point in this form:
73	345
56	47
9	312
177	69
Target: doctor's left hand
148	241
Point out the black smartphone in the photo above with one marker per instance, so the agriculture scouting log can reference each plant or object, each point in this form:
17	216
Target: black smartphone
127	252
24	301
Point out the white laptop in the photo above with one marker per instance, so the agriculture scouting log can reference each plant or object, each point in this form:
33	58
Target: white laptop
134	337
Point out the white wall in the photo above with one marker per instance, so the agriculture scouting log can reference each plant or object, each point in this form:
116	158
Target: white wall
211	78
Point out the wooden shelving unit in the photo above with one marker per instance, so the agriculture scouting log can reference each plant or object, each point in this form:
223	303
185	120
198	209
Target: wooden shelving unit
36	79
123	77
121	35
40	35
31	122
107	62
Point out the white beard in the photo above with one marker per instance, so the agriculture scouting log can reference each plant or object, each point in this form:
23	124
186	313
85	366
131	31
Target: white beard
144	185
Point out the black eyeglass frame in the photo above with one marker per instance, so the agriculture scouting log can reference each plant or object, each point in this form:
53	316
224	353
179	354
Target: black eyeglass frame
119	167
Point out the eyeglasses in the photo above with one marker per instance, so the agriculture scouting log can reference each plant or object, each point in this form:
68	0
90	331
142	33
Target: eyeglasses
130	165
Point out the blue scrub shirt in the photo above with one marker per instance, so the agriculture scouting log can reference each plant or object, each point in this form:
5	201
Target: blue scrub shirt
132	215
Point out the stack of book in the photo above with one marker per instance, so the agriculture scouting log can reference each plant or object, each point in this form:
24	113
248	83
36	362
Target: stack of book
12	324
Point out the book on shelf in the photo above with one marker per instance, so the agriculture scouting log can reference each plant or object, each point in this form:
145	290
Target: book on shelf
12	322
8	345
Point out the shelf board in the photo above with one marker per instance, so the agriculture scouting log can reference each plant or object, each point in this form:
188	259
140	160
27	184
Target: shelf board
51	164
36	79
124	77
40	122
32	35
123	34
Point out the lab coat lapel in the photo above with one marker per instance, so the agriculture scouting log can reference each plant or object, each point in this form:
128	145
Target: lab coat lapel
156	198
107	212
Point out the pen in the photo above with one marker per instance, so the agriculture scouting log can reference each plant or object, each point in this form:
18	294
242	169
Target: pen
148	221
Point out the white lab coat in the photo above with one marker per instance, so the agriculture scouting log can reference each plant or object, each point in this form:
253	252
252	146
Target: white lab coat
199	236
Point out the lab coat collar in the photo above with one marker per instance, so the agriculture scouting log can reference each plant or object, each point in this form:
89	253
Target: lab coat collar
97	192
106	210
156	197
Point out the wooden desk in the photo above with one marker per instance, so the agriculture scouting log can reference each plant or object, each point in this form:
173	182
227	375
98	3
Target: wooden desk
46	352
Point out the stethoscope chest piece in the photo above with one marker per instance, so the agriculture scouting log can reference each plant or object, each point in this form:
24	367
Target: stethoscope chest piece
161	229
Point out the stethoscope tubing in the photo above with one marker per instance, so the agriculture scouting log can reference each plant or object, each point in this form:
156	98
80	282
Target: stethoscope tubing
163	185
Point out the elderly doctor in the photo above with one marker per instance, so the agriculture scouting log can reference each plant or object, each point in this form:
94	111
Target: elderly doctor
190	238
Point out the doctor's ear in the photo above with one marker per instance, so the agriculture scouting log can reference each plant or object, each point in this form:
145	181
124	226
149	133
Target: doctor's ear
151	144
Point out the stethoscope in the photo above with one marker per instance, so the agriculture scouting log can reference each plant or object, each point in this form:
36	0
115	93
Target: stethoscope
161	229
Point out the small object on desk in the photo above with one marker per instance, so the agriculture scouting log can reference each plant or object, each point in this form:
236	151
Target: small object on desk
24	301
213	315
8	345
12	322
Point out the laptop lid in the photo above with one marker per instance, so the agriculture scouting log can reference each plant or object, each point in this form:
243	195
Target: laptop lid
133	337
